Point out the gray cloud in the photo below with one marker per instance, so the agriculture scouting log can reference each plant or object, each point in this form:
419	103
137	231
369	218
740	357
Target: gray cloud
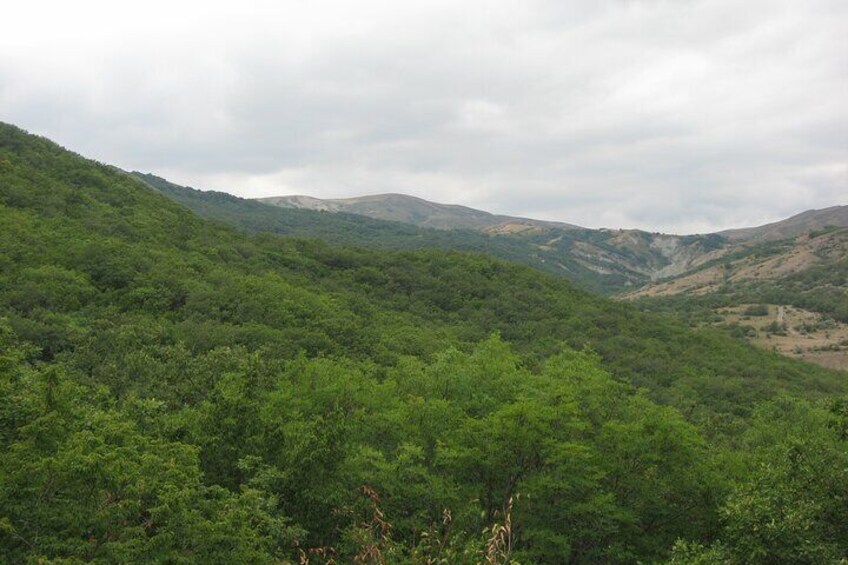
678	116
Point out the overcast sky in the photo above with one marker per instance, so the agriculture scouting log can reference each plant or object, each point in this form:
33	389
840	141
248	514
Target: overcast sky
670	115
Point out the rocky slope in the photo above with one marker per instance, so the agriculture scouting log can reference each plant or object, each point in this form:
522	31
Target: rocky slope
751	263
788	295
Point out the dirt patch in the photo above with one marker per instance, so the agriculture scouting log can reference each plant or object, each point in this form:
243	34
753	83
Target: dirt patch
512	228
793	332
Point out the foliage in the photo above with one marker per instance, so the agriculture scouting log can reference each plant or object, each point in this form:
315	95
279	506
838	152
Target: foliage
172	390
789	506
756	310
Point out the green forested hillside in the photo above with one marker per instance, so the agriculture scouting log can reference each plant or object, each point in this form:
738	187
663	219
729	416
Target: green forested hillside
344	229
172	390
606	260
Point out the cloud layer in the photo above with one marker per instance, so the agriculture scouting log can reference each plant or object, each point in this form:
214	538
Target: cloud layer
669	115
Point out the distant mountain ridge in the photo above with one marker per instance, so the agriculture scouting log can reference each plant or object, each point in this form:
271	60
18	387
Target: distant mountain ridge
416	211
632	257
605	261
551	250
760	262
424	213
834	216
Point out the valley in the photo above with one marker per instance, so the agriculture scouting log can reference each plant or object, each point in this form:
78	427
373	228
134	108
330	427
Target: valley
424	283
797	263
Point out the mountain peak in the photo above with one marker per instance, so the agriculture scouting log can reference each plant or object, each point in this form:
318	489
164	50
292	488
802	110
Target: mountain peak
417	211
796	225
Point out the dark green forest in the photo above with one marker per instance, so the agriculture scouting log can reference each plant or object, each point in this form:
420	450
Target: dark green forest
173	390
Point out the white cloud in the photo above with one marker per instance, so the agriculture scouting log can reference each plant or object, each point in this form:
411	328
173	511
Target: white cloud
667	115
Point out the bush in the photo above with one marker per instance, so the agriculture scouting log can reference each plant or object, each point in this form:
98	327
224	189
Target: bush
756	310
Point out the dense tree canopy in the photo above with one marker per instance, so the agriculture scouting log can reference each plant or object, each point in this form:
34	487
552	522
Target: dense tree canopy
172	390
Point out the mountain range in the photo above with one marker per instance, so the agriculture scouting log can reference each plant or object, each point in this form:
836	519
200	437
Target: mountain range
416	211
423	213
661	263
610	261
808	221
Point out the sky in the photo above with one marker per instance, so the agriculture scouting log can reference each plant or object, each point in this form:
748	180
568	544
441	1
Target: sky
680	116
